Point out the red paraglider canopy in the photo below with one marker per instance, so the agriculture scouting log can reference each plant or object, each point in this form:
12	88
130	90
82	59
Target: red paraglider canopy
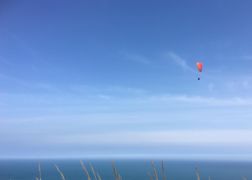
199	66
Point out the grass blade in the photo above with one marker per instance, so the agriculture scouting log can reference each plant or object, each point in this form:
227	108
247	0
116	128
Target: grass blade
85	170
163	171
40	174
93	171
197	174
60	172
115	172
154	170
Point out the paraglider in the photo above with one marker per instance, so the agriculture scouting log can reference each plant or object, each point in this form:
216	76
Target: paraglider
199	66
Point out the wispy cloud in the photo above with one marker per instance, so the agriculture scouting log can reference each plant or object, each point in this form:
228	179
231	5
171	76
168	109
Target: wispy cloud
36	59
179	61
29	85
211	87
104	97
193	137
247	57
5	61
245	84
48	87
125	96
238	85
14	80
136	58
123	89
201	100
109	90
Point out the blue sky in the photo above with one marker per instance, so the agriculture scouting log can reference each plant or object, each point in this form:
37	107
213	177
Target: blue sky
118	79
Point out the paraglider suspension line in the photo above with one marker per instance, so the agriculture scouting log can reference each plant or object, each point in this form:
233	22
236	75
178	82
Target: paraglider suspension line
199	76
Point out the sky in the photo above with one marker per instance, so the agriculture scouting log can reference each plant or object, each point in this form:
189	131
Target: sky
107	78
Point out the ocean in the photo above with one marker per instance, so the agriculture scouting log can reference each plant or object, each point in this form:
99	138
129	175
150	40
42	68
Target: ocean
128	169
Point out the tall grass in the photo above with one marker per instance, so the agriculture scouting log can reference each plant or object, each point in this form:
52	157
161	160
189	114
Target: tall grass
154	174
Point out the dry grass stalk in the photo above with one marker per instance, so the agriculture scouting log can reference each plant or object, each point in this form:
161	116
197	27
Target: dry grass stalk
85	170
154	170
149	174
93	171
60	172
163	171
244	178
40	174
39	170
98	176
197	173
115	172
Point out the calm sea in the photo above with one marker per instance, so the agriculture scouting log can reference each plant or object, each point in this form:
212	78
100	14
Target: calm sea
128	169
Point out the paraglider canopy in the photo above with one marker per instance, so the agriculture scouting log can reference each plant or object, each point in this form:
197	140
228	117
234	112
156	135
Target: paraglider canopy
199	66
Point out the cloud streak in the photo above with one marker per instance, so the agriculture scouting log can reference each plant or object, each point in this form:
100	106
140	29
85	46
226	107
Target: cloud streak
182	137
136	58
201	100
179	61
